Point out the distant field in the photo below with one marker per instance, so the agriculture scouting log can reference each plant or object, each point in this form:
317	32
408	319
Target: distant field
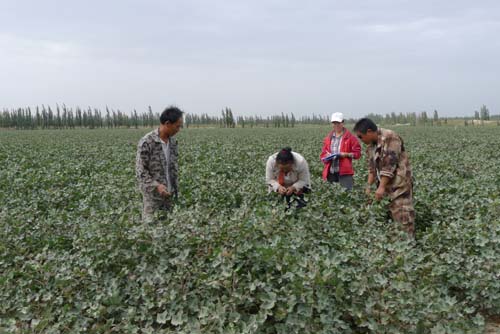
75	258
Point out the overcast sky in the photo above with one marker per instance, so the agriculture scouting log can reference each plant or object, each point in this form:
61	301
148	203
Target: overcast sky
257	57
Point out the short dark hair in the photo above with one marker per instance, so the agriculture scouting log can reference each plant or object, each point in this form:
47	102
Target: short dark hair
171	114
365	124
284	156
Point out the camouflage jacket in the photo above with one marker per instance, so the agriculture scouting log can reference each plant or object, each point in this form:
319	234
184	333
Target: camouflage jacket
150	167
389	158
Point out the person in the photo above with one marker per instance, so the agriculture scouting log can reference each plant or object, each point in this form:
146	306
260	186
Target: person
287	174
339	148
389	168
156	164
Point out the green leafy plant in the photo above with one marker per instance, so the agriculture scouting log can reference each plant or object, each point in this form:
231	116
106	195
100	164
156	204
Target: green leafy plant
75	257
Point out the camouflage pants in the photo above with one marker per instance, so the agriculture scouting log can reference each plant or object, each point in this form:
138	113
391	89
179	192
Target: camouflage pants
153	207
402	212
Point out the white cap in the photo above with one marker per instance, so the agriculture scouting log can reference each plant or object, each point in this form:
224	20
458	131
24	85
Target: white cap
337	117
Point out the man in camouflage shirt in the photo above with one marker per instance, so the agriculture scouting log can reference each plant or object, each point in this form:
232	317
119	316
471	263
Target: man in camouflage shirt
156	164
389	168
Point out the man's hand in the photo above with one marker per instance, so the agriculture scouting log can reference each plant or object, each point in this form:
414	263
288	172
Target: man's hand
162	190
379	194
368	190
281	190
384	181
290	191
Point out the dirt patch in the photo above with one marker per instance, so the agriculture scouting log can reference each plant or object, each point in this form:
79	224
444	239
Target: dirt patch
492	325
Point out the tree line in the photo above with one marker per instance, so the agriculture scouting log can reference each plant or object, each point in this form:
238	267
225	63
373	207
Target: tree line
228	120
423	118
62	117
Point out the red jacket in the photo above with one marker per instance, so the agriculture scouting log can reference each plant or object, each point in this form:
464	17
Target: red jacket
348	144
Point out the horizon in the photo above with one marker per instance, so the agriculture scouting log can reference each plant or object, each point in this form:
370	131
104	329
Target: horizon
130	114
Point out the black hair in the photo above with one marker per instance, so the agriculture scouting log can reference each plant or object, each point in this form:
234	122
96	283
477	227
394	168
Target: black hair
284	156
364	124
171	114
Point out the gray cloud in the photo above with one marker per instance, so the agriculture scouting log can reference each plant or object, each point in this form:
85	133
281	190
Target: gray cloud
257	57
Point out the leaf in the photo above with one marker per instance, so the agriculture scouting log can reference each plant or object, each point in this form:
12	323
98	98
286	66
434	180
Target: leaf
162	317
268	300
178	318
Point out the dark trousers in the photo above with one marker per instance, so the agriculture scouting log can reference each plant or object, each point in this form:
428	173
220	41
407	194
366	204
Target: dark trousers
298	198
345	180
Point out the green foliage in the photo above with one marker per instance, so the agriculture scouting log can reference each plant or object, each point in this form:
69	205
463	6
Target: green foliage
75	258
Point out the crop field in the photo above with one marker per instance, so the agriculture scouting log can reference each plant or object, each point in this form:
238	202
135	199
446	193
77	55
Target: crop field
76	258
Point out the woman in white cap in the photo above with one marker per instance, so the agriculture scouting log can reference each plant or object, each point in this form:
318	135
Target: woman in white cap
339	148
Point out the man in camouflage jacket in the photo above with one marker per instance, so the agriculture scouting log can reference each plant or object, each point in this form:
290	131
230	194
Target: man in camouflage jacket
156	164
389	167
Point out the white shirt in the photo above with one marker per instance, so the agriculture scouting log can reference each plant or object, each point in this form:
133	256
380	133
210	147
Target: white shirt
298	177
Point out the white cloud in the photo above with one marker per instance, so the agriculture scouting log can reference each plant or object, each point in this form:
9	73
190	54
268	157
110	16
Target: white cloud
420	26
24	50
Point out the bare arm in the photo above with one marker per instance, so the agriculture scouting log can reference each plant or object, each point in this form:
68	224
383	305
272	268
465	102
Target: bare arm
269	175
381	190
